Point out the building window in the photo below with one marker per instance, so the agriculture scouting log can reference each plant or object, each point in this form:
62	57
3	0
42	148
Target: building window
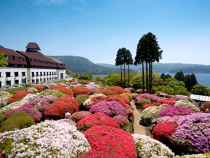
23	74
8	74
15	58
8	83
22	59
0	74
32	60
40	73
39	61
37	73
16	74
17	82
32	74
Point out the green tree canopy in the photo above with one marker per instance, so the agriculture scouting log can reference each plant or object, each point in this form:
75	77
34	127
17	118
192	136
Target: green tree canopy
179	76
190	81
68	71
3	60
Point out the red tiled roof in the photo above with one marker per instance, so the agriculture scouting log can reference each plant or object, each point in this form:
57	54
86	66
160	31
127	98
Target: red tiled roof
56	60
11	53
33	45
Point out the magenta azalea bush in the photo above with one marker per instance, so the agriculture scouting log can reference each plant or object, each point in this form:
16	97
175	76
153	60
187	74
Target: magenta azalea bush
79	115
41	102
175	111
33	113
121	120
110	108
92	86
193	133
152	97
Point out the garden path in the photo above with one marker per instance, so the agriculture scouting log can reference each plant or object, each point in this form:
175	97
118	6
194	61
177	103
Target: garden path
139	129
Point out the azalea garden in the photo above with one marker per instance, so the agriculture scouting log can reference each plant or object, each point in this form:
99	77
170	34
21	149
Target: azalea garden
33	123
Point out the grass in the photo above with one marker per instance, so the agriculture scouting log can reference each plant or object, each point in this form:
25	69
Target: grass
13	90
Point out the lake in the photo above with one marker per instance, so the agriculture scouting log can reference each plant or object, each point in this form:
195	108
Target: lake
203	79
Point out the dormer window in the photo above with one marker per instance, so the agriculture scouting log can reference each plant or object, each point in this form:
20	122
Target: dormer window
15	58
32	60
7	57
36	60
39	61
21	58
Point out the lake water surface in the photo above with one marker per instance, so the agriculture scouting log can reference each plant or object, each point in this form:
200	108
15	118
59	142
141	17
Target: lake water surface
203	79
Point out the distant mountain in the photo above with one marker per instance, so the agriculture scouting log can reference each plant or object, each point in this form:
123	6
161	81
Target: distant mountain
169	68
82	65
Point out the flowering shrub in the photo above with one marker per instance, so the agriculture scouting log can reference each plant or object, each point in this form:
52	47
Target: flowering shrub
193	133
206	155
129	111
46	139
33	113
127	95
58	109
181	97
92	86
79	115
17	104
142	102
17	120
147	147
40	87
121	120
96	119
187	104
117	90
6	95
3	101
18	96
3	93
207	104
53	92
118	99
152	97
124	98
167	101
81	98
32	89
110	108
111	140
81	90
148	114
175	111
106	92
159	120
132	90
64	90
41	102
147	105
163	131
98	154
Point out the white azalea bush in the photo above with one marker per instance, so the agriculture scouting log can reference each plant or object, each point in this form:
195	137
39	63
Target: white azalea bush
89	102
3	93
46	139
147	147
207	155
150	113
187	104
17	104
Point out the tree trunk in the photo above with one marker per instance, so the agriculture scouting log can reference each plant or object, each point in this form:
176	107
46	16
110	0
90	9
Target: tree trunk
150	78
147	76
143	75
121	73
124	75
128	76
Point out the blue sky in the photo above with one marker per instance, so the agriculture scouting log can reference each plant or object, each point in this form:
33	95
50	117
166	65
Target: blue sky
96	29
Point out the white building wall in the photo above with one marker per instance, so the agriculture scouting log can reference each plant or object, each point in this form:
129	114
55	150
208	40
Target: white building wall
32	75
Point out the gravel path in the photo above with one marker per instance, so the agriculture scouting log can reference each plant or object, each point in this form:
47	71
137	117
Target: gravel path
139	129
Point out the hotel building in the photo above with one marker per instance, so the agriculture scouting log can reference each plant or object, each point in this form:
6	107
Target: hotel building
30	67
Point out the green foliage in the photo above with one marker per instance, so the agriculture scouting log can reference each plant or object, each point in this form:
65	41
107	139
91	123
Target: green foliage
179	76
74	75
68	71
83	82
190	81
112	80
200	90
2	118
53	92
85	77
164	76
81	98
99	78
141	102
3	60
136	82
17	120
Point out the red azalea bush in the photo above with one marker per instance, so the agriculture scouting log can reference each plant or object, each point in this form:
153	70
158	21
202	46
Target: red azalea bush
17	96
40	87
167	101
58	109
164	130
147	105
118	99
117	90
124	98
96	119
99	154
128	95
111	140
64	90
81	90
175	111
106	92
80	115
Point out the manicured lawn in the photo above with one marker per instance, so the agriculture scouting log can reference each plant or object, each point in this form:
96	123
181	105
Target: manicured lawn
13	90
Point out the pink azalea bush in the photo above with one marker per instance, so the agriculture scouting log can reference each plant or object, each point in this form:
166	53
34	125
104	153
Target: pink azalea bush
152	97
175	111
121	120
110	108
